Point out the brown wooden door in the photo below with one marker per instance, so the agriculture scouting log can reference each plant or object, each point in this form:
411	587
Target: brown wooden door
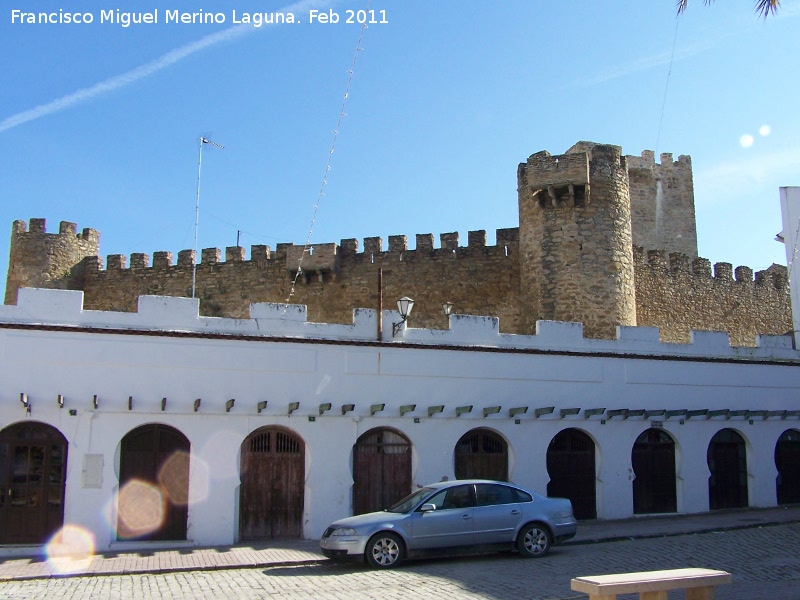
571	466
787	460
33	466
653	461
727	462
381	470
273	479
154	462
481	454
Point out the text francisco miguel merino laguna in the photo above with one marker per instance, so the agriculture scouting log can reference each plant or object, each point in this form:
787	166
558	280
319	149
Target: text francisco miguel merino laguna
256	19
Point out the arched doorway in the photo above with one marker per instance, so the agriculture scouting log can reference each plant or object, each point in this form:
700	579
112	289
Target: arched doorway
727	461
153	501
33	468
653	460
381	470
271	497
481	454
571	467
787	460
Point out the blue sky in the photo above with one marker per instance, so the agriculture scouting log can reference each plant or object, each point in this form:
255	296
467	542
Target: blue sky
99	123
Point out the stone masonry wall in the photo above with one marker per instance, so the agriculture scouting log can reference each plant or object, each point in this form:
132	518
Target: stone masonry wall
662	203
575	238
673	292
678	294
477	279
52	260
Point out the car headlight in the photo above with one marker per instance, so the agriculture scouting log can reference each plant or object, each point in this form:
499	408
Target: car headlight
344	531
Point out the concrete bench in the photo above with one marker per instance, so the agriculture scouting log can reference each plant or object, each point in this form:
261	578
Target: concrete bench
652	585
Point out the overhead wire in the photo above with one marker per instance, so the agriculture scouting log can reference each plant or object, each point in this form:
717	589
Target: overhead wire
324	182
666	86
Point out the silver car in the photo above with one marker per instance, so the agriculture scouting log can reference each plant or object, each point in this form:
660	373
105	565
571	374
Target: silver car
452	517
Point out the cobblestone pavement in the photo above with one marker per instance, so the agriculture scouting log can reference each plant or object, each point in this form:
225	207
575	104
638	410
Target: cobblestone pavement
764	562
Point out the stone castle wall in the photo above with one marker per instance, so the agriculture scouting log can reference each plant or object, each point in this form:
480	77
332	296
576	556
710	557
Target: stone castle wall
39	259
477	279
662	203
678	293
576	256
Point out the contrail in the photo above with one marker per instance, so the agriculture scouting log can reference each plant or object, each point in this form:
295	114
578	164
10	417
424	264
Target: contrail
162	62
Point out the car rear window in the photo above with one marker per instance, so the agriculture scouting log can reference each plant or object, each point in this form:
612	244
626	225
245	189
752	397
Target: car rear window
523	496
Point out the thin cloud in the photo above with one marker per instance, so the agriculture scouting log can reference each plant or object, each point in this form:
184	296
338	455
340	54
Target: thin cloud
642	64
715	182
146	70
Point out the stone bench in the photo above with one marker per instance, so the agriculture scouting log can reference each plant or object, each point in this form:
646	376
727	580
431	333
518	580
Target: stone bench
652	585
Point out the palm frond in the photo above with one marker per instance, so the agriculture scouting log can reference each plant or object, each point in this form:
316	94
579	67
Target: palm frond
767	7
764	8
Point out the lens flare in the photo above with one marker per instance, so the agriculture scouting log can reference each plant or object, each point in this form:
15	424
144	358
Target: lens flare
220	452
141	509
70	550
764	130
746	140
173	476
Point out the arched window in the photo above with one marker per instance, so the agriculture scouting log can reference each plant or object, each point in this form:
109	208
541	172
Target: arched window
481	454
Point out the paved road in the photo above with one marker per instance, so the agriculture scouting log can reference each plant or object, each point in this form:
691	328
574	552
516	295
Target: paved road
764	561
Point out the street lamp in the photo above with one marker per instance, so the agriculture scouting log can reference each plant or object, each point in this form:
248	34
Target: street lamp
404	305
447	307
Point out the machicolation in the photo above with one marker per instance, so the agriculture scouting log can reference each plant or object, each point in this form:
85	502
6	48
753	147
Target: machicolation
603	238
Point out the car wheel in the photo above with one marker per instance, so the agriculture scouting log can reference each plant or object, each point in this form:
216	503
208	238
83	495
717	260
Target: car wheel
384	550
534	541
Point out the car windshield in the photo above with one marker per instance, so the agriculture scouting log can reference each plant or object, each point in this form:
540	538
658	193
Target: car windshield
410	501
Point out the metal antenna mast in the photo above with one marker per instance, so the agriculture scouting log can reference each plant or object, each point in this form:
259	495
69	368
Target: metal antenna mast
197	209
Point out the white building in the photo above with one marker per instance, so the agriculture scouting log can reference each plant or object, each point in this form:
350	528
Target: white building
163	426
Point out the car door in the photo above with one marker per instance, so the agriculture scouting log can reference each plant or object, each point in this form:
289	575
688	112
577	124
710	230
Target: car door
450	524
496	514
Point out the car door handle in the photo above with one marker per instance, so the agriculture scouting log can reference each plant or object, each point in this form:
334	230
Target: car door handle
465	517
514	512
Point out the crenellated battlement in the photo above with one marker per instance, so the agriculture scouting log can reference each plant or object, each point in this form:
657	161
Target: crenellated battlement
323	257
604	239
678	293
54	260
679	264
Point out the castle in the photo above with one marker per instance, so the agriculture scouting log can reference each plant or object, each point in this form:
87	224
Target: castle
576	364
603	239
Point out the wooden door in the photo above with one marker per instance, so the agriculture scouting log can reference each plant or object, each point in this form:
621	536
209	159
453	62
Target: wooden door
481	454
33	466
571	466
381	470
272	488
653	460
787	460
727	462
154	462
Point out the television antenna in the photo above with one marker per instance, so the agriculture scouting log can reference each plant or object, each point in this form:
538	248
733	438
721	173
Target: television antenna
203	141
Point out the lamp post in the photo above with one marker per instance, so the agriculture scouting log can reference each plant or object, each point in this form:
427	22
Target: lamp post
404	305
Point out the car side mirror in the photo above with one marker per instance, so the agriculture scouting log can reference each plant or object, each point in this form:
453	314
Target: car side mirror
427	508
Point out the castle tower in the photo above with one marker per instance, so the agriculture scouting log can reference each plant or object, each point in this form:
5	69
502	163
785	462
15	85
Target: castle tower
576	255
662	203
48	260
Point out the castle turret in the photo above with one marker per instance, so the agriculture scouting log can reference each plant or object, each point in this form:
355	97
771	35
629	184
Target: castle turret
662	203
48	260
576	260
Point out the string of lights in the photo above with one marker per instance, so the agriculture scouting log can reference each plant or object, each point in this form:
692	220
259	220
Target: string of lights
321	193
